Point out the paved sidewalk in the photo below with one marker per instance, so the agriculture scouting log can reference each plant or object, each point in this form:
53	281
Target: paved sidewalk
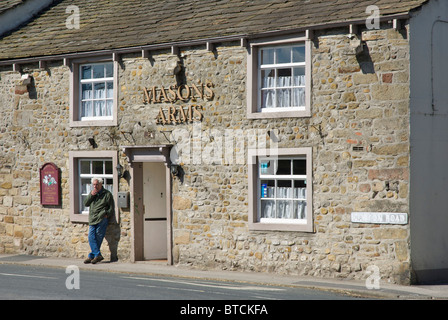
357	288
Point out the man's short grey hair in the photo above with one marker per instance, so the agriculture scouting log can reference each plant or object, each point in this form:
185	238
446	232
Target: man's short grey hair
100	180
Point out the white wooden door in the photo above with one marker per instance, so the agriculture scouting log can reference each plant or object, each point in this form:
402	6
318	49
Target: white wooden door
154	200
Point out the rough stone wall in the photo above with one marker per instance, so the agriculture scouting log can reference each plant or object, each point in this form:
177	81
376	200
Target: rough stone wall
35	130
361	101
33	123
357	101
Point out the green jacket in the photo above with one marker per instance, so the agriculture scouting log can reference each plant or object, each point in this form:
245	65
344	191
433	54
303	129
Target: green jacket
101	205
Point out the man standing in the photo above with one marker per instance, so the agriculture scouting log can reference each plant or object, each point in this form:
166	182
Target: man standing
101	205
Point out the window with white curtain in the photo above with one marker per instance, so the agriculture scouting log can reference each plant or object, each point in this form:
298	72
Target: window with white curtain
282	80
93	168
83	166
280	189
282	185
96	91
279	77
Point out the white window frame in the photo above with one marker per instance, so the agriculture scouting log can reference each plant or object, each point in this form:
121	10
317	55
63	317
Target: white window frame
92	82
266	194
254	110
76	214
91	175
256	222
275	67
75	94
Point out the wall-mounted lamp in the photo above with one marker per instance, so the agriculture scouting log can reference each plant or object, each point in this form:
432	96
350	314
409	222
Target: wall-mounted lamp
26	79
175	169
119	171
92	142
177	68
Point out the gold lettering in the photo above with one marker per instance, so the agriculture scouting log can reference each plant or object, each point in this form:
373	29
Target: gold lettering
179	114
183	92
190	113
182	115
154	94
162	95
172	114
199	92
151	95
161	117
146	98
173	96
197	112
208	87
154	90
179	92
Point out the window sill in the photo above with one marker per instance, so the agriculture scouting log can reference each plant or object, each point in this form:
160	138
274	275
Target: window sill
260	226
79	217
279	114
94	123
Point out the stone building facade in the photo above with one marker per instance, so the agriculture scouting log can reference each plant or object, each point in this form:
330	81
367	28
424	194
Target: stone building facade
188	111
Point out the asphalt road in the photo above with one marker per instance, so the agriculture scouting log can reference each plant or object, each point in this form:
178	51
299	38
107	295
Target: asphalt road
18	282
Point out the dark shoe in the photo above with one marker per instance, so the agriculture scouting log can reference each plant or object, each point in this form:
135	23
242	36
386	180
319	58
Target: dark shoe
97	259
88	260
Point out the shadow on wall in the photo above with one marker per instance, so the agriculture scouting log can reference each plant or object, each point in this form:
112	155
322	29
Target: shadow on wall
113	238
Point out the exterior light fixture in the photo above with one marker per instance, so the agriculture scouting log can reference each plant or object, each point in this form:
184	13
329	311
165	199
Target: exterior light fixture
92	143
174	169
119	171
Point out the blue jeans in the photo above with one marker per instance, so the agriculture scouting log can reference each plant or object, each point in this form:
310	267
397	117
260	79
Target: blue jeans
96	236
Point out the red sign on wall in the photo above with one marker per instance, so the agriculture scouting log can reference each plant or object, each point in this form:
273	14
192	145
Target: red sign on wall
50	185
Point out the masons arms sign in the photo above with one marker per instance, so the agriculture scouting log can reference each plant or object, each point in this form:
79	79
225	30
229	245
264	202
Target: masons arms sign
179	113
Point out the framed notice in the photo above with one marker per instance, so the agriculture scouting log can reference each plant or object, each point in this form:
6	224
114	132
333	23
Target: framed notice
50	185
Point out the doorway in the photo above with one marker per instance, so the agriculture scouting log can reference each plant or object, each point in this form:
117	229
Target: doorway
155	220
150	207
